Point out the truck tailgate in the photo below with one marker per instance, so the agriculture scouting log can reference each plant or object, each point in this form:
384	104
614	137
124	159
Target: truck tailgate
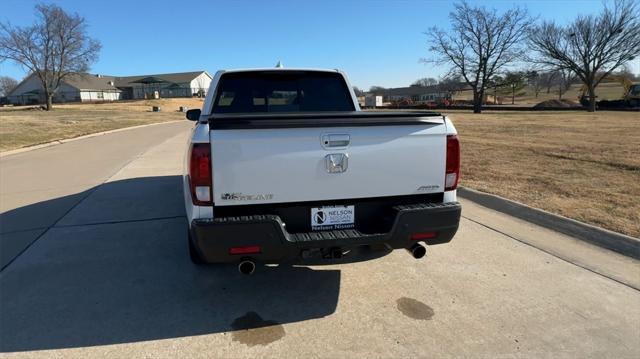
259	164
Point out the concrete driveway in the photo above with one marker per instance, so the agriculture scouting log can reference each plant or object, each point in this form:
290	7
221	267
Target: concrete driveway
93	247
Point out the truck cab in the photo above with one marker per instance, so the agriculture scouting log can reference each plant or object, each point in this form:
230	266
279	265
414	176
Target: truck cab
633	96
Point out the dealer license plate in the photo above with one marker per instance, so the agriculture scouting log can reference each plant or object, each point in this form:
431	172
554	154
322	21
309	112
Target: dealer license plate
332	217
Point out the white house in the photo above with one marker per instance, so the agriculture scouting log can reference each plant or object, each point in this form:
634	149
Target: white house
97	88
182	84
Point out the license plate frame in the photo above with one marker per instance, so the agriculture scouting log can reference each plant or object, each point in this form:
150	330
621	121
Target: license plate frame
332	217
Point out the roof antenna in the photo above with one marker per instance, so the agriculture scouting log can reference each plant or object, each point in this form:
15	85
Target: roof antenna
279	65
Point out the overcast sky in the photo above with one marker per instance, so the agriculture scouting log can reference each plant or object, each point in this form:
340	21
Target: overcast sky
375	42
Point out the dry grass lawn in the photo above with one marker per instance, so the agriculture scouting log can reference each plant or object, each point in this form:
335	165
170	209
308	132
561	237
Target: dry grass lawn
26	126
580	165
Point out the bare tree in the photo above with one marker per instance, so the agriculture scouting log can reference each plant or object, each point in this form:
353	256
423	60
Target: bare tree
495	83
54	47
564	80
451	85
451	82
535	81
480	43
357	91
425	82
625	71
7	84
548	79
514	83
377	90
591	46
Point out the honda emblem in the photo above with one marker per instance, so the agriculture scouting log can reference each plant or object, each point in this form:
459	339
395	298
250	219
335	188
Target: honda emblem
336	162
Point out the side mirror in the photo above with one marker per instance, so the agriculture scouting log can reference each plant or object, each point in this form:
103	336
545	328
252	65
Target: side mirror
193	115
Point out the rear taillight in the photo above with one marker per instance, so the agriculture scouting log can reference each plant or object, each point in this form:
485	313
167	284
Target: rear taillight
452	173
200	174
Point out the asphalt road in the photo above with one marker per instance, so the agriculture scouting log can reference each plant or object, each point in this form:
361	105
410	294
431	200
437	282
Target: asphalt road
95	263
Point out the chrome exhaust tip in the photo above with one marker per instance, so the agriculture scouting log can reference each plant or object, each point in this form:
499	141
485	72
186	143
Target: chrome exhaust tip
417	251
247	266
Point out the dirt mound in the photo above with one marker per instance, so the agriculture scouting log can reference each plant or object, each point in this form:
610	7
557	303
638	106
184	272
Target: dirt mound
556	104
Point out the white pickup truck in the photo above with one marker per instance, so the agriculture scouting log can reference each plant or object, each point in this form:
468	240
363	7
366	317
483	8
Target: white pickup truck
282	164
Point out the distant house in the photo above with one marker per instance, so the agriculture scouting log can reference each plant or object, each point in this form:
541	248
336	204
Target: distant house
182	84
97	88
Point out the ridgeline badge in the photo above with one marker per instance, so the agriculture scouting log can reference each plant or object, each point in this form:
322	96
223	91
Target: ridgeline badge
245	197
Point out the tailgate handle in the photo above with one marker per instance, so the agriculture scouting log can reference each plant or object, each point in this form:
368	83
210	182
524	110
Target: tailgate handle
335	140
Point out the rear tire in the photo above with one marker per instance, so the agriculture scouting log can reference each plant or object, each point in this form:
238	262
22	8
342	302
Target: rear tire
193	252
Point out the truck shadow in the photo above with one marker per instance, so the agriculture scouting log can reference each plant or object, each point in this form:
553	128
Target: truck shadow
116	270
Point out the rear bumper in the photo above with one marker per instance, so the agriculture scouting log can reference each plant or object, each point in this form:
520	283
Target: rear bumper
213	238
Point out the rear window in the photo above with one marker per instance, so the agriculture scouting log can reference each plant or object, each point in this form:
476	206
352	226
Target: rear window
273	91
